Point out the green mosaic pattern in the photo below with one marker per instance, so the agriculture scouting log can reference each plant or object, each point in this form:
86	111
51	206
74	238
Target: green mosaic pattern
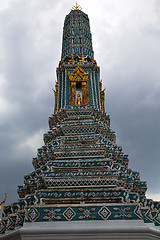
118	212
77	39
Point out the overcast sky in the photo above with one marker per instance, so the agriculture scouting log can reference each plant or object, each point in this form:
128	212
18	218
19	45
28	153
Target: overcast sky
126	42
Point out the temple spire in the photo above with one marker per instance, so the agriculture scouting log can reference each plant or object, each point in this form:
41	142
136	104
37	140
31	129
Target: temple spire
80	173
77	38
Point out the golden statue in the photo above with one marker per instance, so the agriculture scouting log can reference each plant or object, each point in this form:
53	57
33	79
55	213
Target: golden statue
3	201
78	100
78	76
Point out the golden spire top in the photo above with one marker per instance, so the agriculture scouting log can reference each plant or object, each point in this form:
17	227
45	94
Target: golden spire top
77	7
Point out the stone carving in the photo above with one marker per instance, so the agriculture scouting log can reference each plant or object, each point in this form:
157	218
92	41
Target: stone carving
69	214
104	213
87	213
122	212
52	214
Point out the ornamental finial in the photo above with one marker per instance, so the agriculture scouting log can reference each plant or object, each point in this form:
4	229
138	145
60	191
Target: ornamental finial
77	7
3	200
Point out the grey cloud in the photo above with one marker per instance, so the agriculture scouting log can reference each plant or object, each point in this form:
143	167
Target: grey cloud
30	40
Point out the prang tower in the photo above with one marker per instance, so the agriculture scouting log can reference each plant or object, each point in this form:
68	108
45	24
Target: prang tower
80	173
78	78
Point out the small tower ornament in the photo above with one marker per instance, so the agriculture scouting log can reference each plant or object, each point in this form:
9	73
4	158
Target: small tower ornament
3	201
77	7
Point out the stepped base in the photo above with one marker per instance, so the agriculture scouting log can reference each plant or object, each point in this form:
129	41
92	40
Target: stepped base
85	230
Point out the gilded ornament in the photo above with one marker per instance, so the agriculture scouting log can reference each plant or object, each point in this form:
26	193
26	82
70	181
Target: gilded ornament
77	7
78	81
56	97
3	201
102	96
82	59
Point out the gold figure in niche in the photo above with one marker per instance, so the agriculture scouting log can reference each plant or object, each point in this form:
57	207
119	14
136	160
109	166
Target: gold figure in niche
78	99
78	87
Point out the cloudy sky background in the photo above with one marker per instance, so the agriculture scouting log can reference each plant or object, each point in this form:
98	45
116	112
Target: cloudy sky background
126	42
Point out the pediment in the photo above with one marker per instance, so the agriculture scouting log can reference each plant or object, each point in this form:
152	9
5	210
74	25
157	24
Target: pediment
78	74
